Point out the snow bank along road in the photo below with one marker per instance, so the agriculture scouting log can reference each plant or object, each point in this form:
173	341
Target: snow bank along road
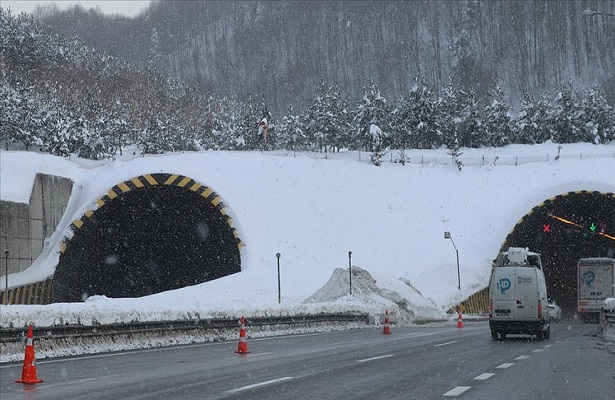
426	362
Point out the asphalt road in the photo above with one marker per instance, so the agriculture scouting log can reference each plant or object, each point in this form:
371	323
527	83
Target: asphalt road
422	362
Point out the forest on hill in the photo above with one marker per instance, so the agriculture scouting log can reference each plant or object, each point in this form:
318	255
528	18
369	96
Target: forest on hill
59	95
282	50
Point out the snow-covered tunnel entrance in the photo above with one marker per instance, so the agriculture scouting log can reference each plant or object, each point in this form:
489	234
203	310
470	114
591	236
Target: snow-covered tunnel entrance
149	234
564	229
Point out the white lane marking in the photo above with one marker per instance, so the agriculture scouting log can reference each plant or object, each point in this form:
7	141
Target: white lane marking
444	344
347	341
547	346
457	391
375	358
484	377
284	337
259	354
505	365
255	385
537	350
522	358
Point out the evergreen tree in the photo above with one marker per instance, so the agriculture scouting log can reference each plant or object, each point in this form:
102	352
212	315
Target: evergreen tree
226	132
599	127
371	110
449	121
566	117
291	132
248	128
415	120
377	139
532	121
497	121
327	120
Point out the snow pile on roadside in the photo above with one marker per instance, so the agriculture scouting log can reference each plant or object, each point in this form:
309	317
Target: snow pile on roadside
402	300
607	329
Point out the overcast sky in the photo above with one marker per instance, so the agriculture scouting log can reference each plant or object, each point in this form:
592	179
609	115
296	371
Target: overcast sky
129	8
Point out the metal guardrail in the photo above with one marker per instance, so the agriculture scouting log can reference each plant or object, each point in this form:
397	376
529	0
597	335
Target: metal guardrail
8	335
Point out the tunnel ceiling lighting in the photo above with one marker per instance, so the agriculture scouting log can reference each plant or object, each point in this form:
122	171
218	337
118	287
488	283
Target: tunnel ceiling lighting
566	221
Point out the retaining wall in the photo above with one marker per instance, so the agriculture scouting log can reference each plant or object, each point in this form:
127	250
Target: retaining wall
25	227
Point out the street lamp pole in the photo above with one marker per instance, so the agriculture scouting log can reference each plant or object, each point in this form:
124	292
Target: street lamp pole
279	288
6	277
350	269
447	235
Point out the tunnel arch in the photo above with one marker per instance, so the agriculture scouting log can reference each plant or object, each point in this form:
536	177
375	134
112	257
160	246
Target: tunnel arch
565	228
149	234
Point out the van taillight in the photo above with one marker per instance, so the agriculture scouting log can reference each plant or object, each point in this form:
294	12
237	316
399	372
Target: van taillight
490	308
539	309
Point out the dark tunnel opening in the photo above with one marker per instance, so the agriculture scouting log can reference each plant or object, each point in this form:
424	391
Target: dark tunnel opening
563	230
144	241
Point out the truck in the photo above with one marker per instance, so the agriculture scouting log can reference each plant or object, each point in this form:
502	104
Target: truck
595	283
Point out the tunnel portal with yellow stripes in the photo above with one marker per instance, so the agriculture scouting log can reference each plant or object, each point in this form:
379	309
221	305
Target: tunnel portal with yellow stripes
147	235
564	229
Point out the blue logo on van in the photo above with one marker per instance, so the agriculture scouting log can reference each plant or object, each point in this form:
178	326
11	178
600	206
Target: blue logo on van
588	278
504	284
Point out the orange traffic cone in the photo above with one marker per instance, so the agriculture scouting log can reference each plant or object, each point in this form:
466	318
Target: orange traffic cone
387	329
28	373
242	347
459	320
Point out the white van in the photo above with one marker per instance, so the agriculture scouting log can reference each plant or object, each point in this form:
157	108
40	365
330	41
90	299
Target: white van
518	301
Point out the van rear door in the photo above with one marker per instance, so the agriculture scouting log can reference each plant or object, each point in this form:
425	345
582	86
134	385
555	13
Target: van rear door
504	297
527	294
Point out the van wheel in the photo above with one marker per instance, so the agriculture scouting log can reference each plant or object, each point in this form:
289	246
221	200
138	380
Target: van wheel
494	335
547	333
540	335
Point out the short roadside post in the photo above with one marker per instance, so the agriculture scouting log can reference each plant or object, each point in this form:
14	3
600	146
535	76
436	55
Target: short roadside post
447	235
350	269
279	288
6	277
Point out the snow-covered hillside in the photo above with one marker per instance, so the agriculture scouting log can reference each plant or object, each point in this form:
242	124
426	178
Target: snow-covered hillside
313	211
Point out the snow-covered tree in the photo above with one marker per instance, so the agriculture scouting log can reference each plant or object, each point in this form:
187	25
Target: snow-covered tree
291	132
532	122
599	124
371	110
566	117
415	120
327	121
459	118
497	120
377	137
